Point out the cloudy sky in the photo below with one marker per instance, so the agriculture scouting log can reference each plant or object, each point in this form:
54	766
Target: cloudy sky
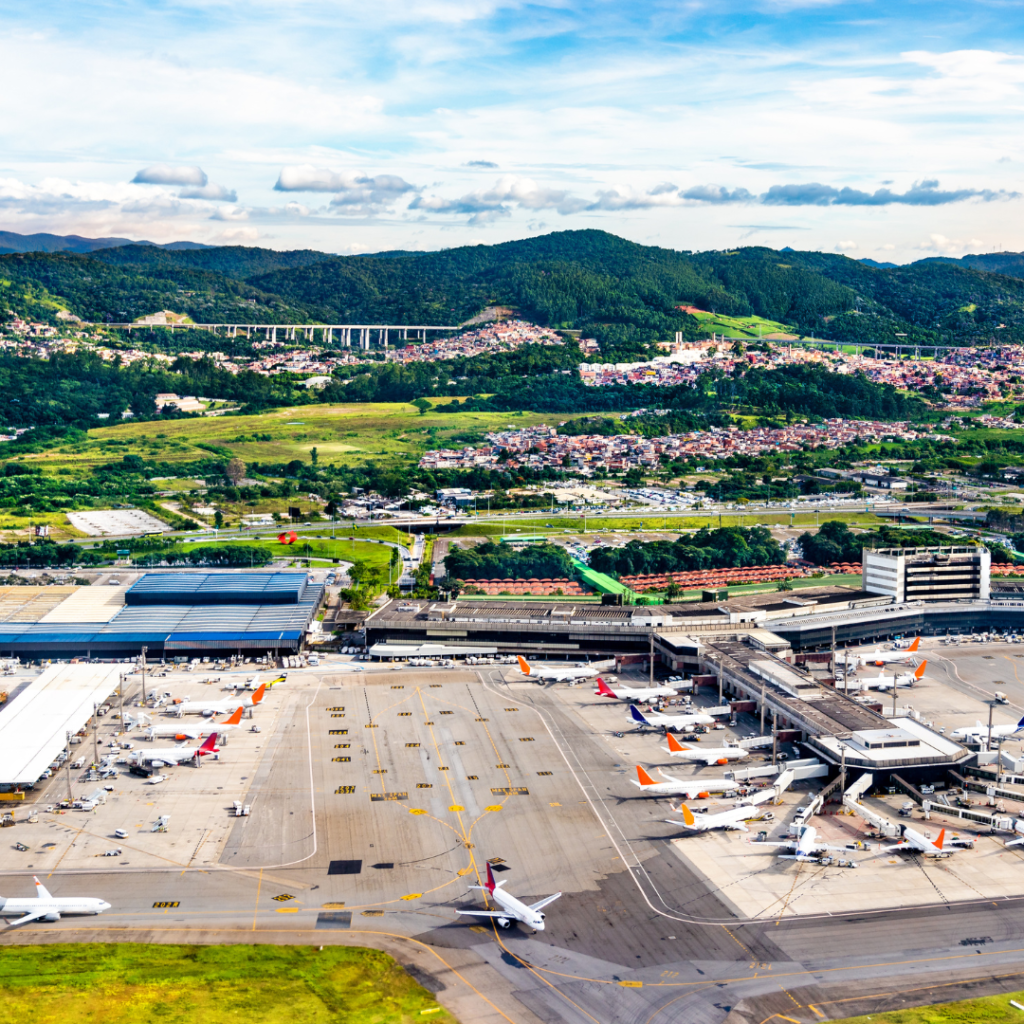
884	130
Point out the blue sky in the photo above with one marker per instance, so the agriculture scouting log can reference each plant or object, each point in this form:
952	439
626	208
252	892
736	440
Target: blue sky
890	131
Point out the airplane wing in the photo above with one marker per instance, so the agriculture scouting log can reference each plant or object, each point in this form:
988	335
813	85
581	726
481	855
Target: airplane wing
487	913
33	915
540	904
1015	842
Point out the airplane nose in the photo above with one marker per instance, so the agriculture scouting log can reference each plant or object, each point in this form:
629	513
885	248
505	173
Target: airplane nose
104	905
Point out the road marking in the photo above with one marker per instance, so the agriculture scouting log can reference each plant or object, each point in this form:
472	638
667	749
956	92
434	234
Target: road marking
413	896
283	897
493	807
456	808
257	907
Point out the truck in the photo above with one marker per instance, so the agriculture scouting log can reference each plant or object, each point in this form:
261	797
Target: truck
1000	697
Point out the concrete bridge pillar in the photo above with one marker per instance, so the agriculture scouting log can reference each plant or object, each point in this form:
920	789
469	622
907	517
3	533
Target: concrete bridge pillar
328	336
384	337
346	337
273	336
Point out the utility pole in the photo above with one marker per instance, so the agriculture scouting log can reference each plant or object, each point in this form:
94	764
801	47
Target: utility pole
143	660
95	745
763	688
120	700
67	764
988	745
652	657
894	689
775	738
833	662
842	767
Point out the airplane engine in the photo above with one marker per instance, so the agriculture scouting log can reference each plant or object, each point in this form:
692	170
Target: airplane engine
504	922
722	760
52	917
208	714
703	796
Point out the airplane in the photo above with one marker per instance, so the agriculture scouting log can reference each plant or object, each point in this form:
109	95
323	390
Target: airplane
642	693
917	842
658	720
195	732
806	847
556	675
878	657
511	908
709	755
733	817
681	787
207	708
881	682
254	681
977	731
44	907
176	755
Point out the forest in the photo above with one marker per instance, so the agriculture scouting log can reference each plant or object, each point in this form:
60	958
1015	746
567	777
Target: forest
624	294
706	549
490	561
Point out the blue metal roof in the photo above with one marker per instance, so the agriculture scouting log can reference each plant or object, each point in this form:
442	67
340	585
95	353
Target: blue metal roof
180	588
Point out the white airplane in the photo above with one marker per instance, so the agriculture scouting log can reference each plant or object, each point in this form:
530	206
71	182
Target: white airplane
678	723
709	755
556	675
219	707
195	732
733	817
44	907
806	847
511	908
689	788
978	731
881	682
641	693
879	657
176	755
253	682
918	842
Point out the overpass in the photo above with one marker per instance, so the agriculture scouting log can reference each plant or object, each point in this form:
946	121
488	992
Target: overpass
364	335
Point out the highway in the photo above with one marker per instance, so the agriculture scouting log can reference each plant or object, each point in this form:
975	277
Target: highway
446	770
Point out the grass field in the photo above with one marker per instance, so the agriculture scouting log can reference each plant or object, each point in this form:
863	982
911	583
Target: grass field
342	434
657	524
746	327
321	552
131	983
987	1010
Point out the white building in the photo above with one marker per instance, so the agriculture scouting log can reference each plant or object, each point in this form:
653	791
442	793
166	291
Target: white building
927	574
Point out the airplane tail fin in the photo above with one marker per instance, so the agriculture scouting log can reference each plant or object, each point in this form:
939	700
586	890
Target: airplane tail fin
258	695
645	779
604	689
913	646
920	670
687	814
1020	725
209	745
938	842
490	886
41	889
235	718
673	744
637	716
524	665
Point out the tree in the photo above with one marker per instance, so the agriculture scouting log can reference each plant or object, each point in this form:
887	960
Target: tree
784	585
218	519
314	456
673	590
235	471
423	405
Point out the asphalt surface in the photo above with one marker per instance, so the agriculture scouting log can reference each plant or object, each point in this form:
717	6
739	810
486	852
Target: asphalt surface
637	935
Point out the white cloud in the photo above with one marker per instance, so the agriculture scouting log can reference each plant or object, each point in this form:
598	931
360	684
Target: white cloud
165	174
946	246
483	206
846	246
216	192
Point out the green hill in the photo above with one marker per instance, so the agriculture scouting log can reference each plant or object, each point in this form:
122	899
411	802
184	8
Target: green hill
625	294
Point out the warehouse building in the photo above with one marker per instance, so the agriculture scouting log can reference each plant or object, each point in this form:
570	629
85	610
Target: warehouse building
181	614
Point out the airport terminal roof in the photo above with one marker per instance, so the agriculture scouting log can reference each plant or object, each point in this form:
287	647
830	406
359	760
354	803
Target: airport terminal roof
34	726
200	588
